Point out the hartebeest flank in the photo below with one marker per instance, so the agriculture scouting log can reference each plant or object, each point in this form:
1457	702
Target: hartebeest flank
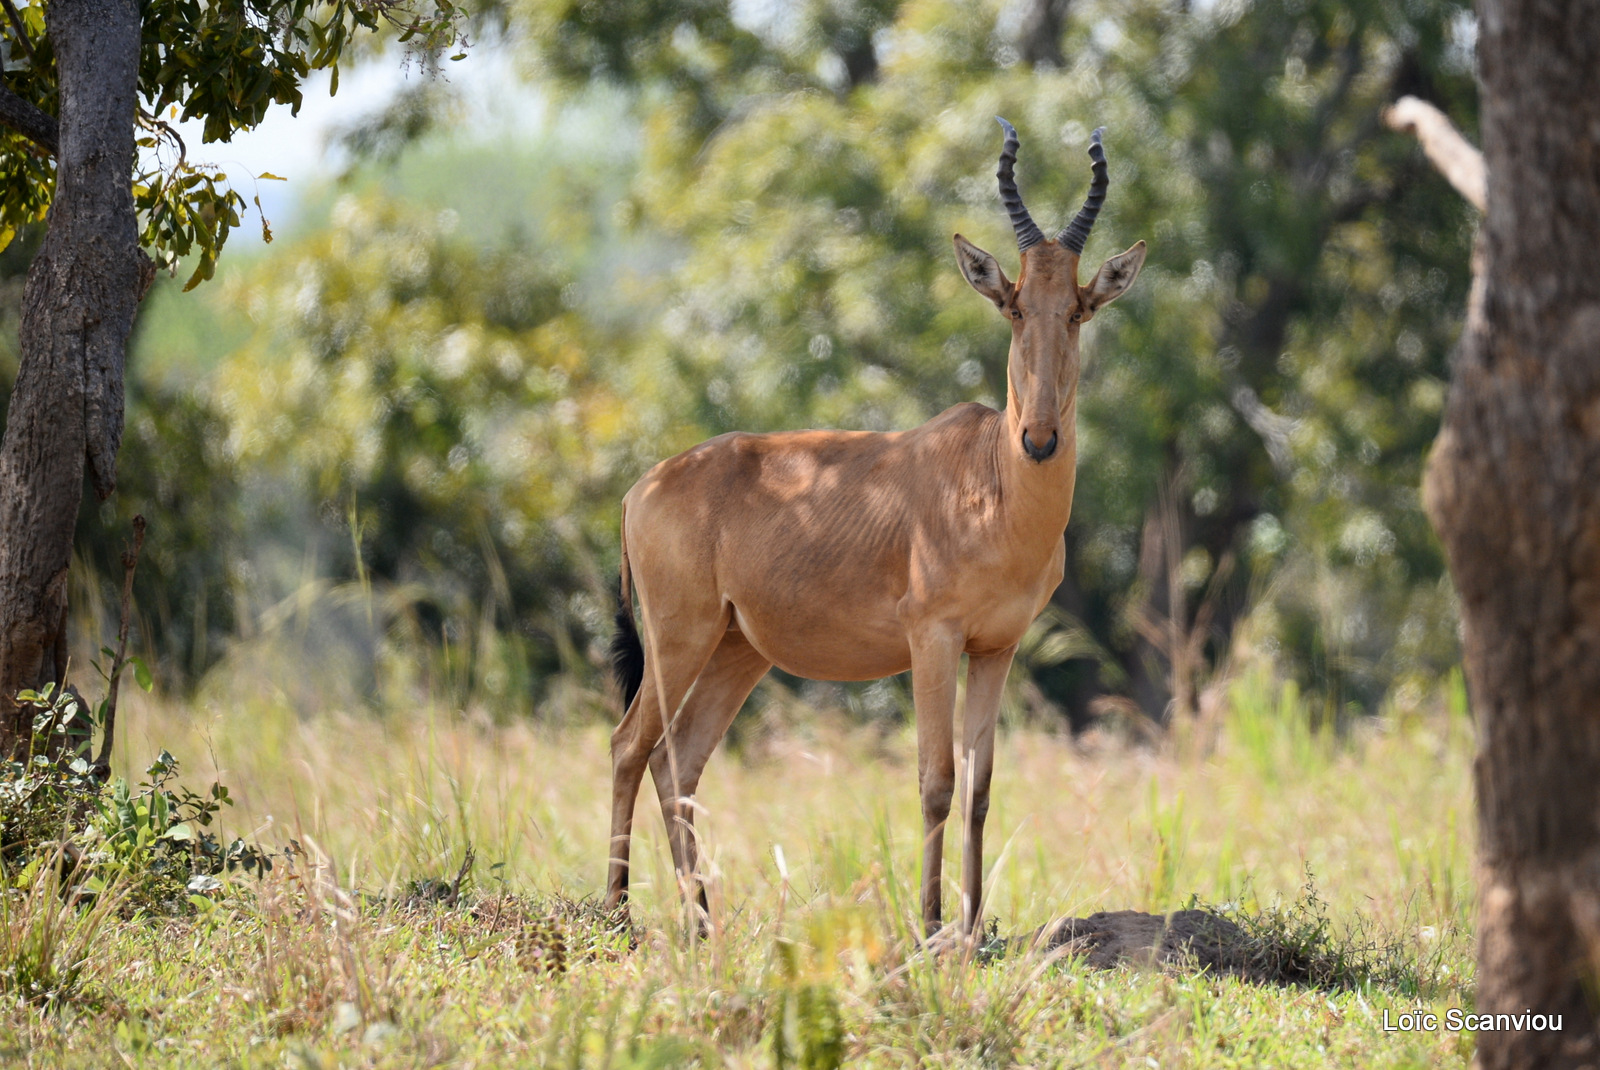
852	555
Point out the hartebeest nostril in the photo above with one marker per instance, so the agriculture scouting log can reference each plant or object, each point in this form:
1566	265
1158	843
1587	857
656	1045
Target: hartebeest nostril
1039	453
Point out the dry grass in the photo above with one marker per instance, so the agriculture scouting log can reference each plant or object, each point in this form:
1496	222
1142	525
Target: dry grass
1081	825
811	839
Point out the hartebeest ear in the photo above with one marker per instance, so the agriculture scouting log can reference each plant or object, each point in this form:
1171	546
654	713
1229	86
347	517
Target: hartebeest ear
1112	280
983	271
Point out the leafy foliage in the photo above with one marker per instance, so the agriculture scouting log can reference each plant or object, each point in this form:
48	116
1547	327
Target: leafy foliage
430	390
224	63
152	842
27	176
160	832
1274	379
446	388
807	1031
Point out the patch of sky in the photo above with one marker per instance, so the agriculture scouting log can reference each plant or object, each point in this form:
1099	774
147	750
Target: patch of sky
493	105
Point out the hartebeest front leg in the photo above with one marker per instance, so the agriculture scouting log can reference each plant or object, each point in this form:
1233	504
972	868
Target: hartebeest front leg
935	663
986	679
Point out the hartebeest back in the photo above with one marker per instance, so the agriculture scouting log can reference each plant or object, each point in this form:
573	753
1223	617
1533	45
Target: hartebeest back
851	555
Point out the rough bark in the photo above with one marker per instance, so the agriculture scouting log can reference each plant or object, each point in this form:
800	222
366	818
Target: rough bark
1513	488
82	290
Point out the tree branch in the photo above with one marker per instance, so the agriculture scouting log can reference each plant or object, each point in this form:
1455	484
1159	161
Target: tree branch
1273	428
22	34
1454	156
130	561
28	121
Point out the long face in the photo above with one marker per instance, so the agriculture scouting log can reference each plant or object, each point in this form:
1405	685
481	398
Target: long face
1046	306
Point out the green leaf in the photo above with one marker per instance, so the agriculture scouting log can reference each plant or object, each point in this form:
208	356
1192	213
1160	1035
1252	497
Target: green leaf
141	673
180	833
206	268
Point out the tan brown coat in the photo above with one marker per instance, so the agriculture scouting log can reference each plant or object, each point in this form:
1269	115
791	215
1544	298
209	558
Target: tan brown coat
847	555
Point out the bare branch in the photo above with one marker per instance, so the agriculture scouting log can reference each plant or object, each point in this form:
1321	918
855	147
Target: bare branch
162	128
1273	428
461	874
1454	156
28	121
130	561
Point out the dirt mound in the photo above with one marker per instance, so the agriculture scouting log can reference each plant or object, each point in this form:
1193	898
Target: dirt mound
1190	938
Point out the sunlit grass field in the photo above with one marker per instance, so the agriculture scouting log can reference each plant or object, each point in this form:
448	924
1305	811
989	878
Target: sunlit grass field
811	832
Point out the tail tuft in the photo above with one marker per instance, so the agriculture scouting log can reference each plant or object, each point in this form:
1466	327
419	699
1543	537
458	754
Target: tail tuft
627	653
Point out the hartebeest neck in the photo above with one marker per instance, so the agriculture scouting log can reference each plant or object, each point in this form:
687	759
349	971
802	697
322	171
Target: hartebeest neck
1038	494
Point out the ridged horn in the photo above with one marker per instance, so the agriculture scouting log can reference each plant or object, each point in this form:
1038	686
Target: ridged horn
1028	234
1077	232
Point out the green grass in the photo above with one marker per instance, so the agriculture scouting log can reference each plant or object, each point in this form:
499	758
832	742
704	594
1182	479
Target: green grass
811	836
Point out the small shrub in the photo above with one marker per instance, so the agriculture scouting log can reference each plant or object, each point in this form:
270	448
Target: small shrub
159	835
1297	943
153	838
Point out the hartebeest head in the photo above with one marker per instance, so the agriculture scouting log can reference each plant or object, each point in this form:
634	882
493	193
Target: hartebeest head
1046	304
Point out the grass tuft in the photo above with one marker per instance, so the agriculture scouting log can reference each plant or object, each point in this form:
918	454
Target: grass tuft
51	951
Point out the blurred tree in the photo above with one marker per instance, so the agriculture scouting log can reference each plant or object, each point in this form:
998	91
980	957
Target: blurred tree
431	403
1335	265
742	234
1040	24
1275	382
104	67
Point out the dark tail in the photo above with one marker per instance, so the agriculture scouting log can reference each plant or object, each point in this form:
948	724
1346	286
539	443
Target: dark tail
627	653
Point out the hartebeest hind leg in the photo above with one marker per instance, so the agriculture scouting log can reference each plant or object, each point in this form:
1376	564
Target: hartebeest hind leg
674	657
719	693
935	662
986	678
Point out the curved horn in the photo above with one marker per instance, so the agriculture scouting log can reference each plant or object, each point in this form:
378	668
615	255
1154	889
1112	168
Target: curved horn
1028	234
1077	232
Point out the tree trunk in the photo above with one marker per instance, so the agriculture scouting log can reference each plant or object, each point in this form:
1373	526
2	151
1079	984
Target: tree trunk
1513	488
1039	32
77	312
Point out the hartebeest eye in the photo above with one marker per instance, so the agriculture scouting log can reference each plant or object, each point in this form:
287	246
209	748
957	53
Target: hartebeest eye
1076	317
1016	313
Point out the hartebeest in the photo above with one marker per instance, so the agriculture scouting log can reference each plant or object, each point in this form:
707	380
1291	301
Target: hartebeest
852	555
